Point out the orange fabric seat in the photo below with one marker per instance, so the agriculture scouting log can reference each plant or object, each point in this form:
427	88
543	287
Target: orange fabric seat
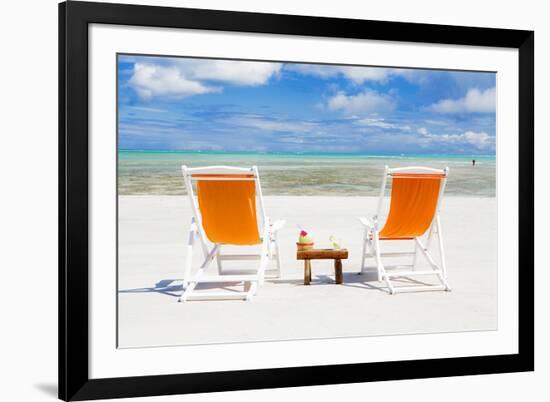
413	205
228	209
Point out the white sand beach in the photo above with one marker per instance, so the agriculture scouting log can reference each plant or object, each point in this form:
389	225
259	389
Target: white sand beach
153	233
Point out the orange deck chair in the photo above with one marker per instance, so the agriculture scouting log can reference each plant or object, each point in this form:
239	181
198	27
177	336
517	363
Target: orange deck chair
228	209
414	212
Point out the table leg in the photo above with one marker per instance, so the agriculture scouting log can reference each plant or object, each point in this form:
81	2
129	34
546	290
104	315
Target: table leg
338	271
307	272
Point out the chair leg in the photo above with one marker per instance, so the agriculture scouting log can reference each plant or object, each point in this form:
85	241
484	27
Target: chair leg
380	265
415	254
364	253
189	256
192	283
439	271
441	249
219	261
442	257
251	291
277	254
264	258
429	238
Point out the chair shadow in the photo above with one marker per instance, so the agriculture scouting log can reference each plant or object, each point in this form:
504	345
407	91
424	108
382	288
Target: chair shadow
168	288
352	279
366	280
49	389
279	281
369	281
165	287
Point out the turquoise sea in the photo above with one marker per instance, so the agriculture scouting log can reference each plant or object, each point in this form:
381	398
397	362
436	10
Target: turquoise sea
156	172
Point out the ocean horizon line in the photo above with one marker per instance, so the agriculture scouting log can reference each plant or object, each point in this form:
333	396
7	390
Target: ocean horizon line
381	155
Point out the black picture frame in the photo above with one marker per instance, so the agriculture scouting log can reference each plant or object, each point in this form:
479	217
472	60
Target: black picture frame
74	18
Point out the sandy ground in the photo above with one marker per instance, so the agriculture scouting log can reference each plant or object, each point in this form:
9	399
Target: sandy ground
153	232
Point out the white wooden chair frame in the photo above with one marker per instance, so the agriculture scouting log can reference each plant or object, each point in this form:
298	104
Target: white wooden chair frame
269	249
371	241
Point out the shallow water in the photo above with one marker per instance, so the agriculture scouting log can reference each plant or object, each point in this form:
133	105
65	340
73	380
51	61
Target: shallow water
147	172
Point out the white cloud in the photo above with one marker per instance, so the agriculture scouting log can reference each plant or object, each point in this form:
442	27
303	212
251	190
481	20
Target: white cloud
151	80
249	73
364	102
381	123
474	101
313	69
357	75
480	140
415	76
183	77
422	131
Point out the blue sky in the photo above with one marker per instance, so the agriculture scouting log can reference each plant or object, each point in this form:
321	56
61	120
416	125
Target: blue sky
185	104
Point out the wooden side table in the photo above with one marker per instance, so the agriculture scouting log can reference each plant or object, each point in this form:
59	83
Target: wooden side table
322	254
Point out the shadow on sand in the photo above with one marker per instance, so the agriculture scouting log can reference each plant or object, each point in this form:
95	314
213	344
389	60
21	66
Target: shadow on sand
366	280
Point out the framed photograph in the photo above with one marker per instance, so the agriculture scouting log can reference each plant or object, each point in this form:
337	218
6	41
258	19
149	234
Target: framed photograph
257	200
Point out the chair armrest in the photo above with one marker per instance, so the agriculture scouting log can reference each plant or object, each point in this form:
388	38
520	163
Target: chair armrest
275	226
369	223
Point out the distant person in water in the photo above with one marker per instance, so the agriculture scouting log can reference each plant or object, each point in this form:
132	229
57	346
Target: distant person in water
473	162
